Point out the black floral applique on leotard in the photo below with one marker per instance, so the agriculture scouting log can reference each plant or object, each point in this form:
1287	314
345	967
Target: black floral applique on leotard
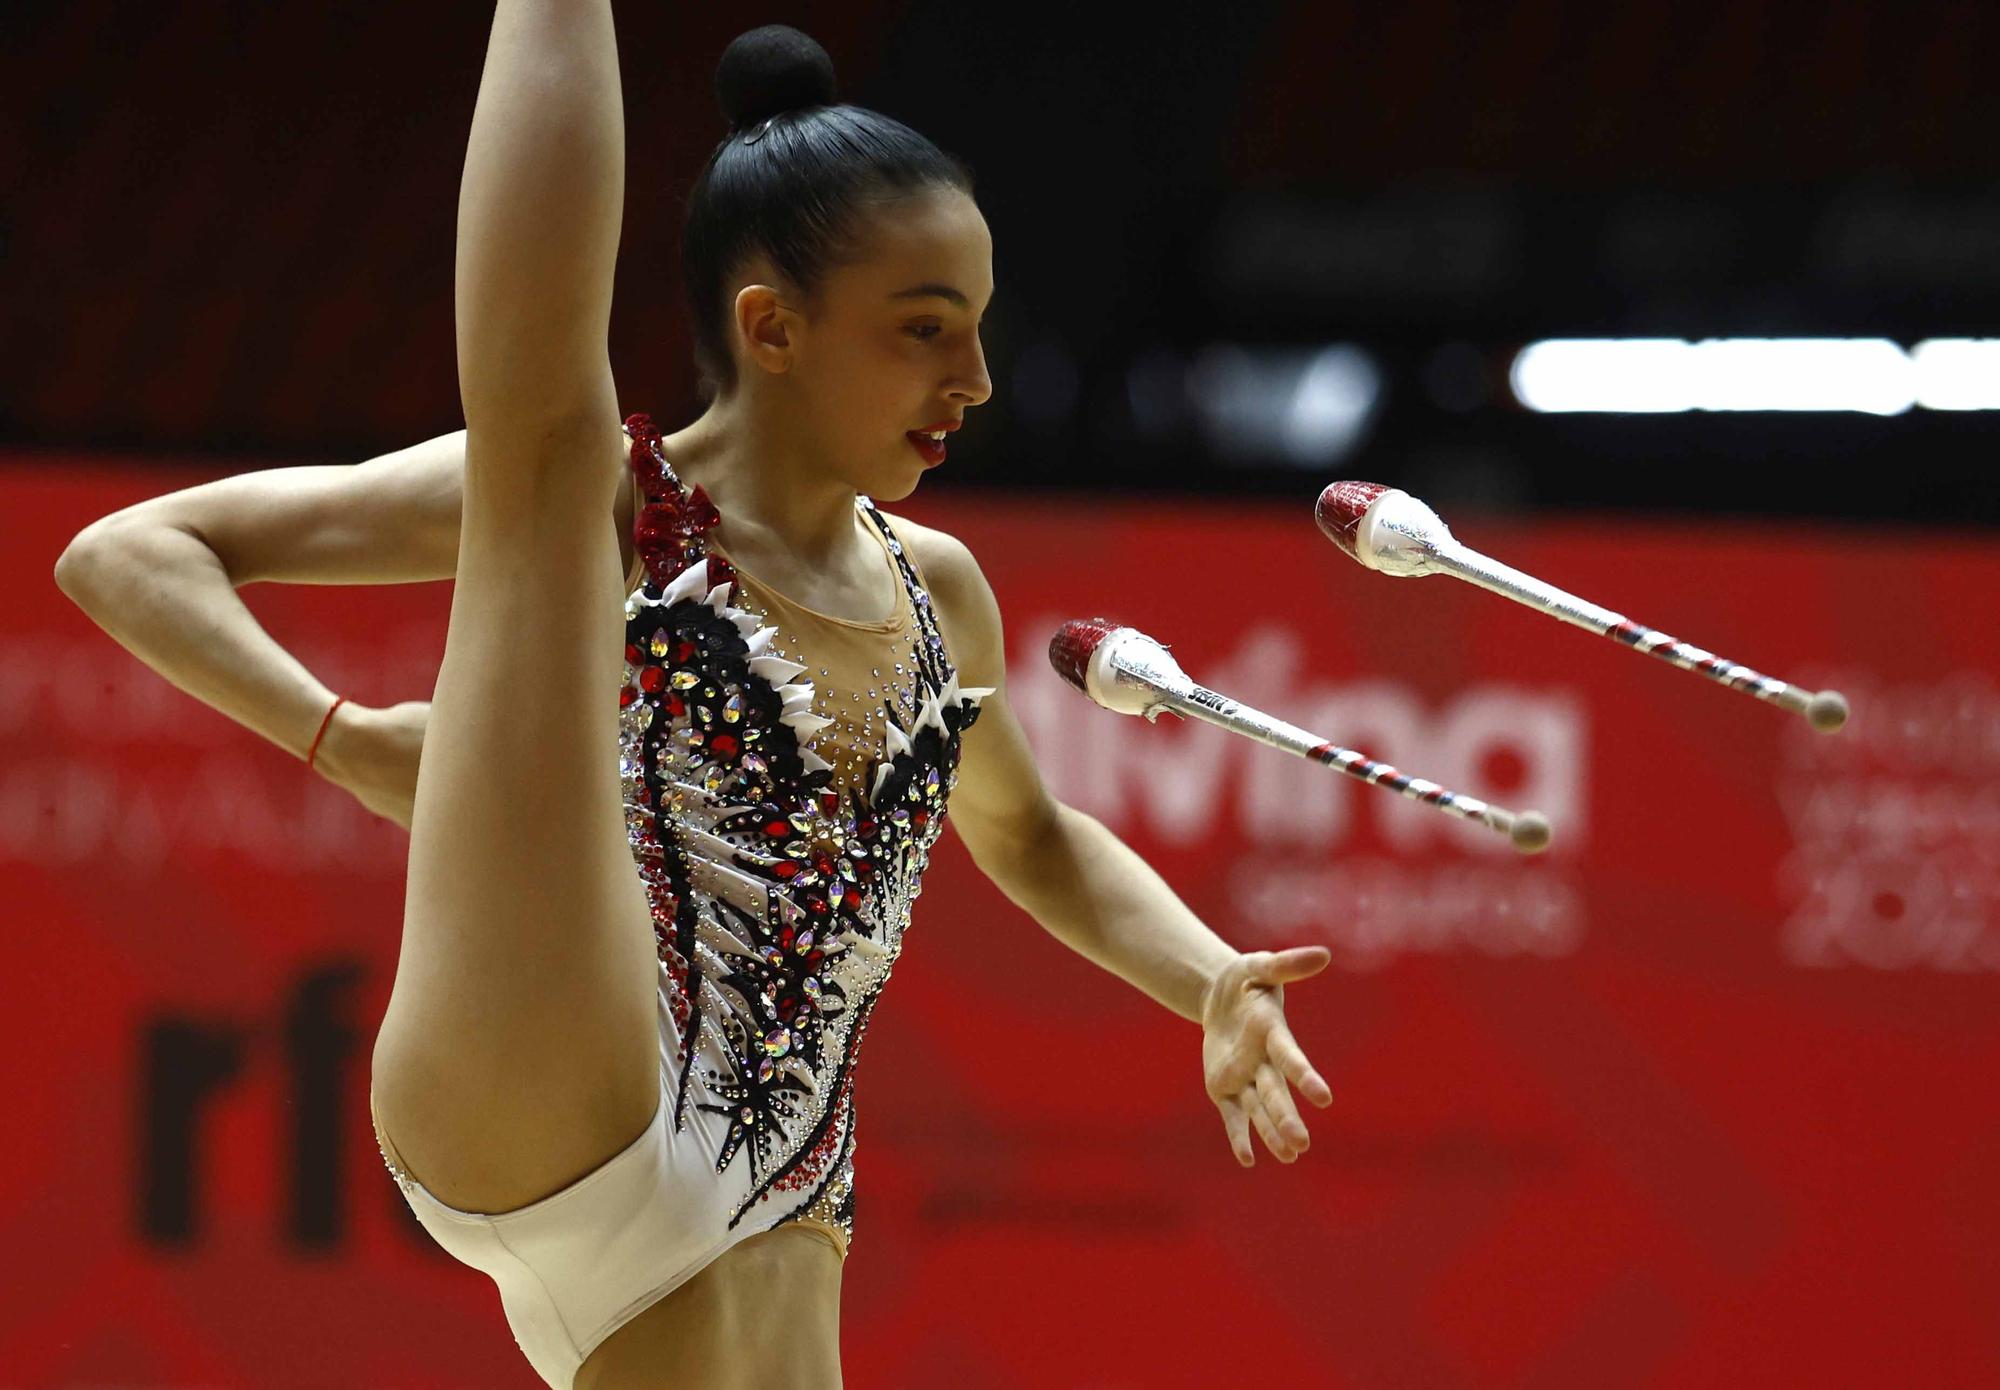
779	898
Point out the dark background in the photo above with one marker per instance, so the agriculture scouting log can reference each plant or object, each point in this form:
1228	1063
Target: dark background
228	227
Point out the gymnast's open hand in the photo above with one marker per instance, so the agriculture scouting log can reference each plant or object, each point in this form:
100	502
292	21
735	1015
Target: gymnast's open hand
372	754
1248	1054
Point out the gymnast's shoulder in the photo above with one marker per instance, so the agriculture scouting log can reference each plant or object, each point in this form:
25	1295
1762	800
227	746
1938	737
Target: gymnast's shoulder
966	607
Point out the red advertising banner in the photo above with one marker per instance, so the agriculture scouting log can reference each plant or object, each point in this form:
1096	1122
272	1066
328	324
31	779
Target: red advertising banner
1702	1096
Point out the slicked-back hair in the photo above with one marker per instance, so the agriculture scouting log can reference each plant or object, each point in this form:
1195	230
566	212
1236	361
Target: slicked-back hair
795	187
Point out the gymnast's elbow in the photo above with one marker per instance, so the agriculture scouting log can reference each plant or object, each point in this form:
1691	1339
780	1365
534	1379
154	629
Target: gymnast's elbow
119	556
80	568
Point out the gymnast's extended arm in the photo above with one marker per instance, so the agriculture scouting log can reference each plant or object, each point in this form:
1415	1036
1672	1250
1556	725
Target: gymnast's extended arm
1092	892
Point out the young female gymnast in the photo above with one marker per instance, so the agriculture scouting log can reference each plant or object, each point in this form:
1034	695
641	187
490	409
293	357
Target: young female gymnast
700	709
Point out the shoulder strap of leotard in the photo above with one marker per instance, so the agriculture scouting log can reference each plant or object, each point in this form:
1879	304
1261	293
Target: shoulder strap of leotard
933	661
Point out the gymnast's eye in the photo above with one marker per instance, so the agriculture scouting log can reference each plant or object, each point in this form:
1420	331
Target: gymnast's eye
924	330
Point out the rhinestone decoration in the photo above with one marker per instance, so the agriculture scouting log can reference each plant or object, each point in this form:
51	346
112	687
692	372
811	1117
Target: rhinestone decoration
780	881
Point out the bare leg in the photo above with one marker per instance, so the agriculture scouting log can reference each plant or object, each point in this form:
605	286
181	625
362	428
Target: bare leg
716	1331
520	1049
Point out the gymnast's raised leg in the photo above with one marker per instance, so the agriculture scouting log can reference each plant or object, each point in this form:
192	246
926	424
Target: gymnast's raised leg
520	1048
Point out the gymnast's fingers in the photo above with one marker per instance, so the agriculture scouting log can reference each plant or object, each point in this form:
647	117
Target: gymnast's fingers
1283	967
1237	1125
1284	1114
1261	1117
1291	1060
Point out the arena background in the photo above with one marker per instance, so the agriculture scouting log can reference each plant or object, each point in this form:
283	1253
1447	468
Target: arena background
1702	1097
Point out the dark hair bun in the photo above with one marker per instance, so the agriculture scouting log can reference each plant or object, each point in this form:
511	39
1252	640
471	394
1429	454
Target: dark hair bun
769	71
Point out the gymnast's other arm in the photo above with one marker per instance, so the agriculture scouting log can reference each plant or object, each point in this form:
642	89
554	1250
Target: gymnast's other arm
1090	891
161	578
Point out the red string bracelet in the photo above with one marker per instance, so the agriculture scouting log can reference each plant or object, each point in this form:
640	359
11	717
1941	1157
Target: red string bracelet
313	751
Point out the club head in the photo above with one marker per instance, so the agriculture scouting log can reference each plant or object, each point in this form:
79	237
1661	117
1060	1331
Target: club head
1384	528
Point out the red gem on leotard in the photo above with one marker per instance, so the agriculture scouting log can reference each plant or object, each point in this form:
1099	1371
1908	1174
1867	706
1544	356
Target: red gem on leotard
655	525
698	514
627	696
724	745
683	517
785	868
651	679
667	531
647	460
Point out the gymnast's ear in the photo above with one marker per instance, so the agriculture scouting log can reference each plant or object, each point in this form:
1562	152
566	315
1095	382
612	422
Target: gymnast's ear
765	328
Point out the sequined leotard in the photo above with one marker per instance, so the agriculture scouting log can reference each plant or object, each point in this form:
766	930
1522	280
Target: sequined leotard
781	828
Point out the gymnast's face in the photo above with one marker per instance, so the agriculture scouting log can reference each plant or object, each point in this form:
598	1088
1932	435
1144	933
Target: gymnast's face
889	345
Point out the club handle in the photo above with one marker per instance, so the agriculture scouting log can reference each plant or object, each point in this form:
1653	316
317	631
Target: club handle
1495	577
1527	831
1825	710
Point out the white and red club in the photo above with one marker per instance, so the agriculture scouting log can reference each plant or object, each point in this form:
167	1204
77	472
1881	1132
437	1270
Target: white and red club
1123	669
1386	529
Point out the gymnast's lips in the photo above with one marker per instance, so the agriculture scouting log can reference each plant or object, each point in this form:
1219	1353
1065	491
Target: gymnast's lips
928	445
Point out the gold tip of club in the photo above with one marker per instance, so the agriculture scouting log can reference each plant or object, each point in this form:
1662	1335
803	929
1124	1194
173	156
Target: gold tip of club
1530	832
1827	711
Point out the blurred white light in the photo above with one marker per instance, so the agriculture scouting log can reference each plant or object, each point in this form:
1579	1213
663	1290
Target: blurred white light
1621	374
1871	375
1654	375
1958	373
1309	408
1330	405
